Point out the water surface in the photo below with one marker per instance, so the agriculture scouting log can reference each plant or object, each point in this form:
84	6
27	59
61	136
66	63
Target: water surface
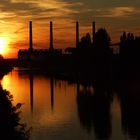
57	109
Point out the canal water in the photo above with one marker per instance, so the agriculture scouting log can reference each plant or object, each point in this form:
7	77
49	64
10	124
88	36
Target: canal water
56	109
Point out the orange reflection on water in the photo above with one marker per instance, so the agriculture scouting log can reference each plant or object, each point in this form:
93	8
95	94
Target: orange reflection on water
41	106
15	86
53	111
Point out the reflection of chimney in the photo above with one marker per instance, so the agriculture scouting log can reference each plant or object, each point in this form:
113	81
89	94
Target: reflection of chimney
51	35
30	33
31	92
52	92
77	34
93	28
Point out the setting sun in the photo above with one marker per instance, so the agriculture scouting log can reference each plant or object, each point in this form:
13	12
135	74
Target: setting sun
3	44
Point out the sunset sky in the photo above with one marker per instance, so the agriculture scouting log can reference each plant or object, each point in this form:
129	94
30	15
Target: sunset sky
116	16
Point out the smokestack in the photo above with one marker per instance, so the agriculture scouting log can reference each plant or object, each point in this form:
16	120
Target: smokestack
51	35
93	30
77	34
30	34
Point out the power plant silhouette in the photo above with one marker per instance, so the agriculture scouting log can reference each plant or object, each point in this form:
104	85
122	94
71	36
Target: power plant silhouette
37	54
42	54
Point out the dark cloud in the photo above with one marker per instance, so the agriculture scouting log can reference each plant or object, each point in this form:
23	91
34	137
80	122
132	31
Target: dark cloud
35	8
20	9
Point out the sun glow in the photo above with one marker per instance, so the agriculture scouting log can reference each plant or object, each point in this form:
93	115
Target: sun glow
3	45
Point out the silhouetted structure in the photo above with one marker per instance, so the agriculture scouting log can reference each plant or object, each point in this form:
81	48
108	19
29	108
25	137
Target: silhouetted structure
37	57
31	40
94	31
77	34
92	58
51	37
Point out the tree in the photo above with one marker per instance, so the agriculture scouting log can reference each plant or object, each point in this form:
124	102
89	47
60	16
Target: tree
10	126
1	57
102	55
102	39
85	41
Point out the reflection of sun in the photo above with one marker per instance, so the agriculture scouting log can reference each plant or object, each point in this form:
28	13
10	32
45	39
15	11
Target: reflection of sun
3	45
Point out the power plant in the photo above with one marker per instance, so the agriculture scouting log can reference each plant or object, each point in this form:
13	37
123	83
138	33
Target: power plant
32	54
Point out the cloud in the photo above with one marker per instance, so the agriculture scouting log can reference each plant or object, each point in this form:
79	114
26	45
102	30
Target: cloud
36	8
7	15
118	12
42	10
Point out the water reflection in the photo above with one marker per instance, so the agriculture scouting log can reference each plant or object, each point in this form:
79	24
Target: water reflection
94	111
52	92
31	91
48	116
57	106
130	108
10	126
31	78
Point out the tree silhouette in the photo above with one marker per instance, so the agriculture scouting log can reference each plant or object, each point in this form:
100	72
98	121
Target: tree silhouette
4	67
102	39
129	54
10	126
1	57
102	55
85	41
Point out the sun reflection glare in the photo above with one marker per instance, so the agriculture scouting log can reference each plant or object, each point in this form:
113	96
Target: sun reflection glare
6	81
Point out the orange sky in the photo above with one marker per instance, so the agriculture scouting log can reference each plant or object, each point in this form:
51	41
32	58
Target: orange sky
116	17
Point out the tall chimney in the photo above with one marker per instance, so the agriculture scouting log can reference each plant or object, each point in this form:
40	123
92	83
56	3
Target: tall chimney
30	34
51	35
77	34
93	30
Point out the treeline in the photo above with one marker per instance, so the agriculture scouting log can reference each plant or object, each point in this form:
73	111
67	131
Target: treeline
96	59
4	67
130	52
